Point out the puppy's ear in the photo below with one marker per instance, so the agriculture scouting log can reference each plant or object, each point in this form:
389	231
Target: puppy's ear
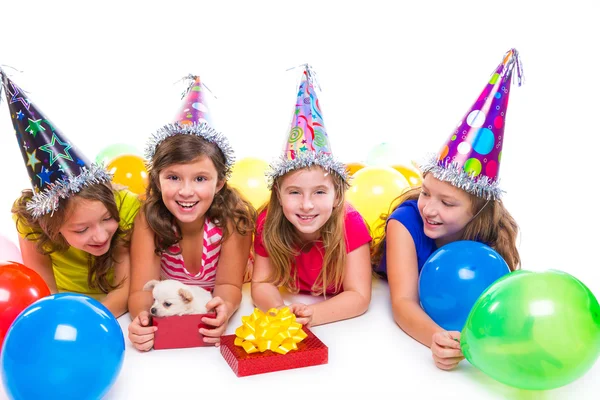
185	295
149	286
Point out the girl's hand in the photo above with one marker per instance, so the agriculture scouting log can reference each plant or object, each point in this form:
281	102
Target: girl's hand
304	313
445	348
141	334
219	322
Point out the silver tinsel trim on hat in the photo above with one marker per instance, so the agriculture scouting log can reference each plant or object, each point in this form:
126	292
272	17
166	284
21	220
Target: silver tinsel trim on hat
326	161
453	173
202	130
46	201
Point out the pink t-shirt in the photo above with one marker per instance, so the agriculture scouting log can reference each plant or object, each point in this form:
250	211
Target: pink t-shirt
309	263
173	267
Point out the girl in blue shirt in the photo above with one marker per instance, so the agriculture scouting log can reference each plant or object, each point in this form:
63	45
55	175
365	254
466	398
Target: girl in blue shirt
459	200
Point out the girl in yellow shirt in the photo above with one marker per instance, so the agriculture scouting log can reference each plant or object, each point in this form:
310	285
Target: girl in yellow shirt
73	226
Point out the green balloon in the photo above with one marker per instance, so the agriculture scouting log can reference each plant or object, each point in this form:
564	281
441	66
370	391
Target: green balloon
382	155
109	153
535	331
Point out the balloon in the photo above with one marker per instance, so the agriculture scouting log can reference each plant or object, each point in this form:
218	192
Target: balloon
64	346
372	191
354	167
534	331
9	251
19	287
382	154
453	278
248	176
412	176
129	170
109	153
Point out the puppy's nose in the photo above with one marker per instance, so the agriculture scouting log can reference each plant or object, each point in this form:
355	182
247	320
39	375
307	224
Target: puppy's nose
153	311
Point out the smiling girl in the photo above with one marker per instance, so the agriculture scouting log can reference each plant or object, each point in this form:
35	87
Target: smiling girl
193	227
73	227
459	200
308	239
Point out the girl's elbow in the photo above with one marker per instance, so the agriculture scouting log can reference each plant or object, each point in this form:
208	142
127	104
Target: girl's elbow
365	304
120	312
363	308
362	305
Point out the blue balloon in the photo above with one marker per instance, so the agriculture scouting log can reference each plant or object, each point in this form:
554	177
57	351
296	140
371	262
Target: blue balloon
64	346
453	278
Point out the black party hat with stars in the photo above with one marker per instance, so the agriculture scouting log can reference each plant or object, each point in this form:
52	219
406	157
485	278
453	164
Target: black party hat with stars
55	166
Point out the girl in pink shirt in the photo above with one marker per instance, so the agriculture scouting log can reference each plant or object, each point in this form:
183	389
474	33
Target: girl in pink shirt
193	227
307	238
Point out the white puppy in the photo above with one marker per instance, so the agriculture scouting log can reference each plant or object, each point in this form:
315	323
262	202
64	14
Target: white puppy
172	297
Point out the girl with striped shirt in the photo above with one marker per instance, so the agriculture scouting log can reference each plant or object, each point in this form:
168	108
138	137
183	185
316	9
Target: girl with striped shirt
193	227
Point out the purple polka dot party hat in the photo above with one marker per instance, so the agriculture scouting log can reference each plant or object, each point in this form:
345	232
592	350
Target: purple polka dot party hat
56	168
193	118
307	142
470	158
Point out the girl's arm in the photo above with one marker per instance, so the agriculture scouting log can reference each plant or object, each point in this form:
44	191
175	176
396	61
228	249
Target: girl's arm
145	266
116	300
265	295
227	294
40	263
355	298
403	278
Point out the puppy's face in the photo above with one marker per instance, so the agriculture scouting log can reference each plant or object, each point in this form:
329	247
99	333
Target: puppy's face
171	297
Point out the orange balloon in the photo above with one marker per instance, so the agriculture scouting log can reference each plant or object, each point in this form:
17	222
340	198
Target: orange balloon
129	170
354	167
413	176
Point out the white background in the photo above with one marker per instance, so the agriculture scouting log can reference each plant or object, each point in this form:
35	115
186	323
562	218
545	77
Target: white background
405	74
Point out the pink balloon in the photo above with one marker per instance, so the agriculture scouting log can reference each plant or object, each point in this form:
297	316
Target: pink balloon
9	251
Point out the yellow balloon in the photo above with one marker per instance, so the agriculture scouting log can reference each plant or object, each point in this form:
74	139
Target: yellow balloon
129	170
372	190
248	176
413	176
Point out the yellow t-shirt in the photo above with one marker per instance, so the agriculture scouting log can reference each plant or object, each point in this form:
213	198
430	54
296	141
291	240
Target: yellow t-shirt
71	267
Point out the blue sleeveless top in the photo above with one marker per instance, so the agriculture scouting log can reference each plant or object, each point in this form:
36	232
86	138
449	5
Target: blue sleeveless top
408	215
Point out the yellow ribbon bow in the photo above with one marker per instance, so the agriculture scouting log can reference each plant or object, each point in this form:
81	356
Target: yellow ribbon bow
275	330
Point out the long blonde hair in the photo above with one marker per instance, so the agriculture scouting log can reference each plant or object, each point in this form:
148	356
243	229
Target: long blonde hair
44	230
492	224
283	244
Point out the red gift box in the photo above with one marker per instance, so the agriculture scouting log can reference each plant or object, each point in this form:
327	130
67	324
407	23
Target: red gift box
311	351
180	331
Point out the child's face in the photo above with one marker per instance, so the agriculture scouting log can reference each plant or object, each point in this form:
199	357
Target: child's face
188	190
89	226
307	197
445	210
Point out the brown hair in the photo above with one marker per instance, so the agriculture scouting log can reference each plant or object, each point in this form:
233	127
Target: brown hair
492	224
228	206
283	244
44	230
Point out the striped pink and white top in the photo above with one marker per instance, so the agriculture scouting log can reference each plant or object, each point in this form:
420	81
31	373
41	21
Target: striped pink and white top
173	267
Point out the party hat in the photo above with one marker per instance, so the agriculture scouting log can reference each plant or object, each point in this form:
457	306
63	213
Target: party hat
55	166
470	159
193	119
307	142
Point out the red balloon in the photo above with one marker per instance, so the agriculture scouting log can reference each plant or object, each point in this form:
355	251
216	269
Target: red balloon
19	287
